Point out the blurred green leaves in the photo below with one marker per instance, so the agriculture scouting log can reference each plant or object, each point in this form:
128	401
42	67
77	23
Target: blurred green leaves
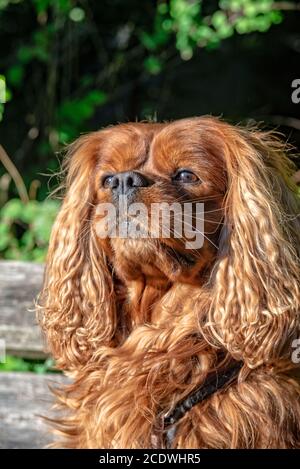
2	89
2	95
5	95
64	116
15	75
61	26
38	49
5	3
62	6
192	29
153	65
72	114
25	229
13	363
77	14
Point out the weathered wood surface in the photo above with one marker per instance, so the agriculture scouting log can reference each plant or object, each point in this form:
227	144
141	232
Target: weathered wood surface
23	397
20	283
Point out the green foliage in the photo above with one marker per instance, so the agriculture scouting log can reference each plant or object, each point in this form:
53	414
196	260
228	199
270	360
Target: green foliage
194	30
25	229
72	113
2	95
5	95
5	3
77	14
64	24
61	6
13	363
66	117
153	65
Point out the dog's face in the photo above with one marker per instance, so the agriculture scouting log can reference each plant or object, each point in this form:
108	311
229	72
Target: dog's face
166	186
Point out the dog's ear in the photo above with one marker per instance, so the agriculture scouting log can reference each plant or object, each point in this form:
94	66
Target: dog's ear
76	306
255	305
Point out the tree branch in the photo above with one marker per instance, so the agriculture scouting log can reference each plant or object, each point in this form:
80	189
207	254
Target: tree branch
12	170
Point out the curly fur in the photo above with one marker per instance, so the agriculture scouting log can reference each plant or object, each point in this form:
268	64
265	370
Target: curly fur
138	330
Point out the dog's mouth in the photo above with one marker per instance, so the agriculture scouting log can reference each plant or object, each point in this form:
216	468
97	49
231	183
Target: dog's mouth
149	244
155	258
159	264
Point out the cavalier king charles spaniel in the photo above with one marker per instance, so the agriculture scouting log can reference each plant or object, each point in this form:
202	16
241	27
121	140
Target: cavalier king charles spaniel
172	344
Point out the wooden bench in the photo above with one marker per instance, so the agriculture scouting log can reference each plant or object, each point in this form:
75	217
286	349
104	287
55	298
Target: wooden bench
20	283
23	396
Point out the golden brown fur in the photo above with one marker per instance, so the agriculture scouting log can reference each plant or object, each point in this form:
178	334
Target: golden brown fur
139	328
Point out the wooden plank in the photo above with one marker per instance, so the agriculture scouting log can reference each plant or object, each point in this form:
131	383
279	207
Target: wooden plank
23	397
26	342
20	283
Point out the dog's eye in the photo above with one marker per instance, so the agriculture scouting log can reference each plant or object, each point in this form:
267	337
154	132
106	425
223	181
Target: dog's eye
106	180
185	176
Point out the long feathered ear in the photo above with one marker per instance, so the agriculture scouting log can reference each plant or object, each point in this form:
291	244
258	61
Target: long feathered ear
76	306
255	305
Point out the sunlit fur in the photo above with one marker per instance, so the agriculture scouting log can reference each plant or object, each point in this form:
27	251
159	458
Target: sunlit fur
138	331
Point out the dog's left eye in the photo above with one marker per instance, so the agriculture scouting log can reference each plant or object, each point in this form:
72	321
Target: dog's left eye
185	176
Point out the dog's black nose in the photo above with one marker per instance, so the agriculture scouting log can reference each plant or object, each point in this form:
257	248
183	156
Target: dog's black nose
127	182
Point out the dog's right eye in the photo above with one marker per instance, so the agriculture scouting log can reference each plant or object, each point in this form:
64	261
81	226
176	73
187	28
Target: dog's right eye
185	176
106	180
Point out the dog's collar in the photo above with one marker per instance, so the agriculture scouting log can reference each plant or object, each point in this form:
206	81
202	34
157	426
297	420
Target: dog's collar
164	432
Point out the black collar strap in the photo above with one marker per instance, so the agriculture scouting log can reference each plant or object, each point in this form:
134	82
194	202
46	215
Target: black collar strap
211	385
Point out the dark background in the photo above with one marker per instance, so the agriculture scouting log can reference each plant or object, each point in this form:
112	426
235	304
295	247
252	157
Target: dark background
245	76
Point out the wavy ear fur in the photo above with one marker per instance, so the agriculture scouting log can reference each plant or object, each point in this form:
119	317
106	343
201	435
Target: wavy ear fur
76	307
255	305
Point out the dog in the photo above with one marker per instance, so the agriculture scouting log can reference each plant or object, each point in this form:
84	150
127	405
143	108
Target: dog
172	344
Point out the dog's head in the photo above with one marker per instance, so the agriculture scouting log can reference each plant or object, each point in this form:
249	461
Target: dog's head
195	202
158	197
